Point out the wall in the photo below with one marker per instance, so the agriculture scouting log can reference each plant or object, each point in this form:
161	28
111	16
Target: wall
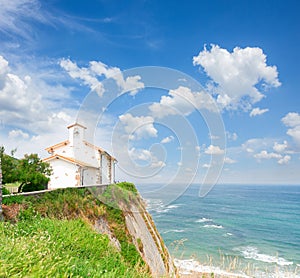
64	174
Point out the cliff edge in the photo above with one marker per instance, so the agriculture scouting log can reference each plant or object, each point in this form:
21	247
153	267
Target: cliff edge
115	216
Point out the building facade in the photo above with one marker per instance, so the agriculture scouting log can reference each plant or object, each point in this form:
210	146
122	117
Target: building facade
76	162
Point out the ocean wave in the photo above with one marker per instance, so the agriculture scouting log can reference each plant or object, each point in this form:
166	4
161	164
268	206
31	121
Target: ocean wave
173	206
251	252
192	266
158	206
173	231
228	234
213	226
203	220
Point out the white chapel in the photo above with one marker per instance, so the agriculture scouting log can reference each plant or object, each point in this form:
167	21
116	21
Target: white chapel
76	162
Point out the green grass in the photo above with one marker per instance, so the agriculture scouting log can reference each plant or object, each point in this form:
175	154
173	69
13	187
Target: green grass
58	248
53	236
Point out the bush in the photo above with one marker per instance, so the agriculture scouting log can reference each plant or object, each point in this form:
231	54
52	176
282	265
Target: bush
5	191
127	186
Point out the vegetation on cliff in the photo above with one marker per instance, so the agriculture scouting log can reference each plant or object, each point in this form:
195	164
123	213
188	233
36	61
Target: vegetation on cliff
53	235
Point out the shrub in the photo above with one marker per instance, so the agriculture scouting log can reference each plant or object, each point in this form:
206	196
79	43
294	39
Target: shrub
5	191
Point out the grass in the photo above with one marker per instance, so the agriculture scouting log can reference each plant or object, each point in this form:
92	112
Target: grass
52	235
58	248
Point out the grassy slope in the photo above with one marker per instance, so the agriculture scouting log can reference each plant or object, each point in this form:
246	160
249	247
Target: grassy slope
52	235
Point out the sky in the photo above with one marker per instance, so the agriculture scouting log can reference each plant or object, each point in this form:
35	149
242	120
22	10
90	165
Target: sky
177	91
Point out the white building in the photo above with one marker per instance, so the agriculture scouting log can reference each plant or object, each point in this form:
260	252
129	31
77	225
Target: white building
76	162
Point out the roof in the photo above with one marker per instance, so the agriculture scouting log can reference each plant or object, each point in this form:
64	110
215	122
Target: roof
76	124
68	159
58	145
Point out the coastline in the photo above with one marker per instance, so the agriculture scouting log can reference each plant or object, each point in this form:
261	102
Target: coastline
193	269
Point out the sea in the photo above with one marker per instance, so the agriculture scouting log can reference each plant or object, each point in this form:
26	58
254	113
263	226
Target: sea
245	230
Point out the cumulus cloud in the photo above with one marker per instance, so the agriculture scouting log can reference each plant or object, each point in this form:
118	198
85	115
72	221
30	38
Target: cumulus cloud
292	120
15	133
214	150
167	139
138	127
237	75
284	160
146	156
90	76
257	111
28	102
231	136
280	147
281	159
140	154
265	155
229	160
182	101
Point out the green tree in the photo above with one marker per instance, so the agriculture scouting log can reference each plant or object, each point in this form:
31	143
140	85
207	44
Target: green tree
33	173
9	167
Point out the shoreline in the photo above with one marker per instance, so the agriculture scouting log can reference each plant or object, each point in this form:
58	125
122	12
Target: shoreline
191	269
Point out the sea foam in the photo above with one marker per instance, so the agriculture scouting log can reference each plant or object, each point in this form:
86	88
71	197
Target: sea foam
253	253
212	226
192	266
203	220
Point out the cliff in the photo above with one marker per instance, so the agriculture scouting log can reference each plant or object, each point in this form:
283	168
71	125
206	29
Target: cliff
115	216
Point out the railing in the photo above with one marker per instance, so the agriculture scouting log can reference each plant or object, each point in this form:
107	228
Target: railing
49	190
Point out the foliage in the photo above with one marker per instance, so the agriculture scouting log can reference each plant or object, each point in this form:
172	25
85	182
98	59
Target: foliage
127	186
9	168
59	248
5	191
30	171
33	173
57	224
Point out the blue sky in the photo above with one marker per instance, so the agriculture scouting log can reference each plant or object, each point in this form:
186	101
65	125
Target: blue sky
245	54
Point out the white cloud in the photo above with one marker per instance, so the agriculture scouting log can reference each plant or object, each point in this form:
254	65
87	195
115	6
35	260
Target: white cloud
96	70
15	133
214	150
265	155
167	139
138	127
205	165
271	155
29	102
83	74
284	160
140	154
14	16
229	160
146	156
257	111
158	164
231	136
237	75
280	147
182	101
292	120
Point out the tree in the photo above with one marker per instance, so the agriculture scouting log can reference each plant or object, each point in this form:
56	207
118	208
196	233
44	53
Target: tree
9	168
33	173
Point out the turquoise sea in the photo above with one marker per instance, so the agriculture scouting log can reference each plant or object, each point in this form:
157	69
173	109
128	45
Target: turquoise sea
250	229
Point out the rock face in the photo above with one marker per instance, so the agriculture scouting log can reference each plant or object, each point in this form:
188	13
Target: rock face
149	242
102	227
